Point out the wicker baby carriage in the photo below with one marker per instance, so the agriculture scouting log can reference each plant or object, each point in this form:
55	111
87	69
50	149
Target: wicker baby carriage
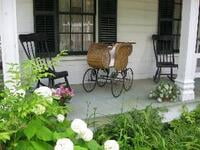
109	63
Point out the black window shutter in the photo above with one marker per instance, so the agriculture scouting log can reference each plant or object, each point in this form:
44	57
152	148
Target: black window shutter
166	9
45	19
108	21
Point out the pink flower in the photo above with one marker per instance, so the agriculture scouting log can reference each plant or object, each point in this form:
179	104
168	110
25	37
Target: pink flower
64	93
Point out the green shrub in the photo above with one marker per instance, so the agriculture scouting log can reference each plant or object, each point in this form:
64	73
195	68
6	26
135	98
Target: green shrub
134	130
144	130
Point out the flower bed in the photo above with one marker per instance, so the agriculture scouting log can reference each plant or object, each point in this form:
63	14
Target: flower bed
35	121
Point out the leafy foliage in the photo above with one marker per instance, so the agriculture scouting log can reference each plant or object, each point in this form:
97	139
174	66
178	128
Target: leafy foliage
134	129
30	71
28	120
143	130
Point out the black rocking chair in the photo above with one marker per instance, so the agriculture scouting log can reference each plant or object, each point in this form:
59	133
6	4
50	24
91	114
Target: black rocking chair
36	43
164	54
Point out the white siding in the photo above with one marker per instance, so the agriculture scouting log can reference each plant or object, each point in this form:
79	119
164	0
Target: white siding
137	21
24	20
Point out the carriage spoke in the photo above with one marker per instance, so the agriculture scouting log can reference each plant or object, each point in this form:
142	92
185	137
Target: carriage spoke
89	80
128	79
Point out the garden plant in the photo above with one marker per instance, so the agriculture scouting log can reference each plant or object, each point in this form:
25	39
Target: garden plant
165	91
144	130
31	119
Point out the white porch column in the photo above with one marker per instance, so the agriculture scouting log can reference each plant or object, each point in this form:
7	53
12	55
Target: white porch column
187	62
10	49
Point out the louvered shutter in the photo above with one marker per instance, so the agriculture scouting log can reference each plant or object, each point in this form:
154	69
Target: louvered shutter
107	21
45	19
166	9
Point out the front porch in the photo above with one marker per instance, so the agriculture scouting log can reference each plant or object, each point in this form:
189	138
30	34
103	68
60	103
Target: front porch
138	28
101	101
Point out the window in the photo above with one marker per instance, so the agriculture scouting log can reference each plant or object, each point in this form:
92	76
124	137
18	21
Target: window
69	24
76	25
169	20
108	21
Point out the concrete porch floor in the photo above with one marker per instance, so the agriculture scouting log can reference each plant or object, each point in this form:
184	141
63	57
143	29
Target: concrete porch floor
102	102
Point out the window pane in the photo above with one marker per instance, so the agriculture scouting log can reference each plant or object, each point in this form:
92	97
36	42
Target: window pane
178	1
88	24
76	6
176	27
177	11
64	5
88	6
64	42
176	42
87	41
64	23
76	23
76	42
166	27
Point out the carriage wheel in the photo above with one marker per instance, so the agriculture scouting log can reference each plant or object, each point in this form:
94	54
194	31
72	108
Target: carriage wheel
116	84
89	80
128	79
102	77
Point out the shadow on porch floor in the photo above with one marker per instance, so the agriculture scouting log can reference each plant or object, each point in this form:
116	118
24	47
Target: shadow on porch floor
101	99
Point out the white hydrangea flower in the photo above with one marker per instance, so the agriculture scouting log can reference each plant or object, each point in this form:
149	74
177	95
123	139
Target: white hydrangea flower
159	100
166	86
60	118
43	91
39	109
64	144
87	135
111	145
20	93
78	126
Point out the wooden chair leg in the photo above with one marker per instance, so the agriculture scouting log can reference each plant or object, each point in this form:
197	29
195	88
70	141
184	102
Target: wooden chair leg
51	83
67	82
38	84
159	74
156	75
172	74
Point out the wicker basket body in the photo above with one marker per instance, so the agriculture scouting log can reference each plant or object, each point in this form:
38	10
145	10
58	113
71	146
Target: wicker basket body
98	56
123	51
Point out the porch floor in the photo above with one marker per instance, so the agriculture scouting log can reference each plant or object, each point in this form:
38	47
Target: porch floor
102	102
